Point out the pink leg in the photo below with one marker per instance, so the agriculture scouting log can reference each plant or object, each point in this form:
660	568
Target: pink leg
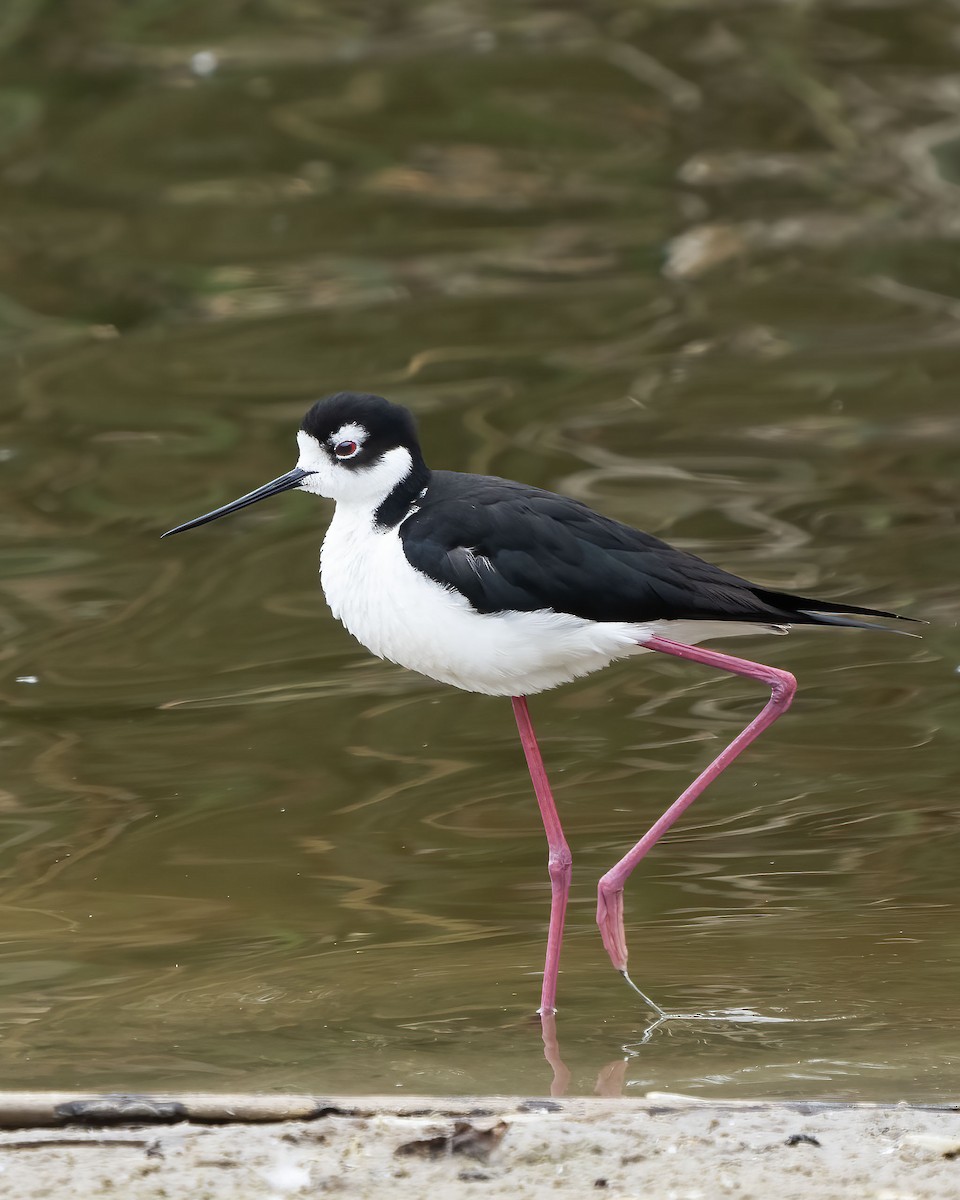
610	890
560	861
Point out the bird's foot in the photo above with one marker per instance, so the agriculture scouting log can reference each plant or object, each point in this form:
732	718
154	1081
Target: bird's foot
610	922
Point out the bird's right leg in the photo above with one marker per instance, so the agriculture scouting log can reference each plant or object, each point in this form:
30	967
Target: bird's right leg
560	861
782	687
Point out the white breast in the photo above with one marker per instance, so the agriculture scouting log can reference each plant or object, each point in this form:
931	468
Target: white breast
402	615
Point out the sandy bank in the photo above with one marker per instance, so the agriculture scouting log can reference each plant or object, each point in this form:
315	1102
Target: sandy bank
225	1147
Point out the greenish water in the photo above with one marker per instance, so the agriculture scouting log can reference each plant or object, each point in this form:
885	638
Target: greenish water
235	851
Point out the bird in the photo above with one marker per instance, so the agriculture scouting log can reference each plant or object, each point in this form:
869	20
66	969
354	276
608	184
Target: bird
501	588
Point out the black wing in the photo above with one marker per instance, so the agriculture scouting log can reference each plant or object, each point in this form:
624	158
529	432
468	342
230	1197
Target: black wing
507	546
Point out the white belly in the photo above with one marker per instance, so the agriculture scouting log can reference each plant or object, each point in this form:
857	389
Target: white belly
401	615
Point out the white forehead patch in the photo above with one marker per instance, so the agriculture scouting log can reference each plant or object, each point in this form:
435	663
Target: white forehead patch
351	432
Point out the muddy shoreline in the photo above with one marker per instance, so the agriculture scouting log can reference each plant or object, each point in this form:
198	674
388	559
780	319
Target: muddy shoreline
243	1146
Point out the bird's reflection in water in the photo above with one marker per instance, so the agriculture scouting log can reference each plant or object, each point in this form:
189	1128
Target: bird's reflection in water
551	1052
611	1078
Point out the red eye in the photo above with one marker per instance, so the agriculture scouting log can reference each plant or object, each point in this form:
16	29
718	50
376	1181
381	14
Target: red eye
345	449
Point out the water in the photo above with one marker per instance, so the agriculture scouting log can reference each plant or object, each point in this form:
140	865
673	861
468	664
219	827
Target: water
238	853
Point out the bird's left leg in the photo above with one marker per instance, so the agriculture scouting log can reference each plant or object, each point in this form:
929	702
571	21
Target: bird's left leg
610	889
560	861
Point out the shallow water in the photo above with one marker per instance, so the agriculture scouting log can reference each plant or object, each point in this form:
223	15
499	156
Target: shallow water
236	852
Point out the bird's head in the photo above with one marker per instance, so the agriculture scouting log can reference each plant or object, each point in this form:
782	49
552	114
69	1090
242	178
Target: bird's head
356	449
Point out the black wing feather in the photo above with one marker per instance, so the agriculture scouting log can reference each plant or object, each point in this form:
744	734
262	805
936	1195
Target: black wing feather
507	546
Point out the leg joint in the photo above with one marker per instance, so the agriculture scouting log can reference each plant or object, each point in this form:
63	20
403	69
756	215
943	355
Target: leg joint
783	684
560	860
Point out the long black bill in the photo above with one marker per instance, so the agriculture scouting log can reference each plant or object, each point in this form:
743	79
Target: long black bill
282	484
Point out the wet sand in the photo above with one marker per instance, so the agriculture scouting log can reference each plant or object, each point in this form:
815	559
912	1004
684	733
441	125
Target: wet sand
225	1147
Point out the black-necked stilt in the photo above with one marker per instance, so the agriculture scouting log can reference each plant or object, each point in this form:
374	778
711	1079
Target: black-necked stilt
496	587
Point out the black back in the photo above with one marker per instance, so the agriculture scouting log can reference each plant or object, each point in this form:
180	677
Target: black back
507	546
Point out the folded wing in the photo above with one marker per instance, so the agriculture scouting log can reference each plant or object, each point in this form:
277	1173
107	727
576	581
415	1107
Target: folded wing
506	546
